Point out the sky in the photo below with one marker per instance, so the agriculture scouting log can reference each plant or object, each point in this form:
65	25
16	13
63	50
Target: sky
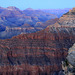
38	4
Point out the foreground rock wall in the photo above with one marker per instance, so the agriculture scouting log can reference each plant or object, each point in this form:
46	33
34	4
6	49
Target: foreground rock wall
39	53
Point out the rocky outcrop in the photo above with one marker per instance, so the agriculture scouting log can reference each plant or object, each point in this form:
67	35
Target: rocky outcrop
37	53
71	56
69	64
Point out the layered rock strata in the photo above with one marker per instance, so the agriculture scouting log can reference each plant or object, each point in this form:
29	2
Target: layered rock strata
38	53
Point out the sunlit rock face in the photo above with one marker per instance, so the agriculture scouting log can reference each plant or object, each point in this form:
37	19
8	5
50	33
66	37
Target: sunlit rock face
71	55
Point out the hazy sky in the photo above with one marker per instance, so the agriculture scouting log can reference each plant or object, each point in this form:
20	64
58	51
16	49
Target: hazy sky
38	4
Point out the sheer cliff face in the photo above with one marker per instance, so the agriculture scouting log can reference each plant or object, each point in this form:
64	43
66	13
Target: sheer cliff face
37	53
71	56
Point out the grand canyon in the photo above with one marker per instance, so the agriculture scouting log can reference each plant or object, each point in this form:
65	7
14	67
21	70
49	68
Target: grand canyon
14	21
36	53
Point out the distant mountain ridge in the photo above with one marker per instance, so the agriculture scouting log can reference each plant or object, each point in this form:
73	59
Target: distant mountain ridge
14	21
27	20
58	12
12	16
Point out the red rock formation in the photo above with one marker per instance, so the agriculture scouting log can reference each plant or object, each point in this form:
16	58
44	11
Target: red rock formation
37	53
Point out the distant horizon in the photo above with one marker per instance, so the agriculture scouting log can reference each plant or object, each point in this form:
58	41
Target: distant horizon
38	4
37	9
